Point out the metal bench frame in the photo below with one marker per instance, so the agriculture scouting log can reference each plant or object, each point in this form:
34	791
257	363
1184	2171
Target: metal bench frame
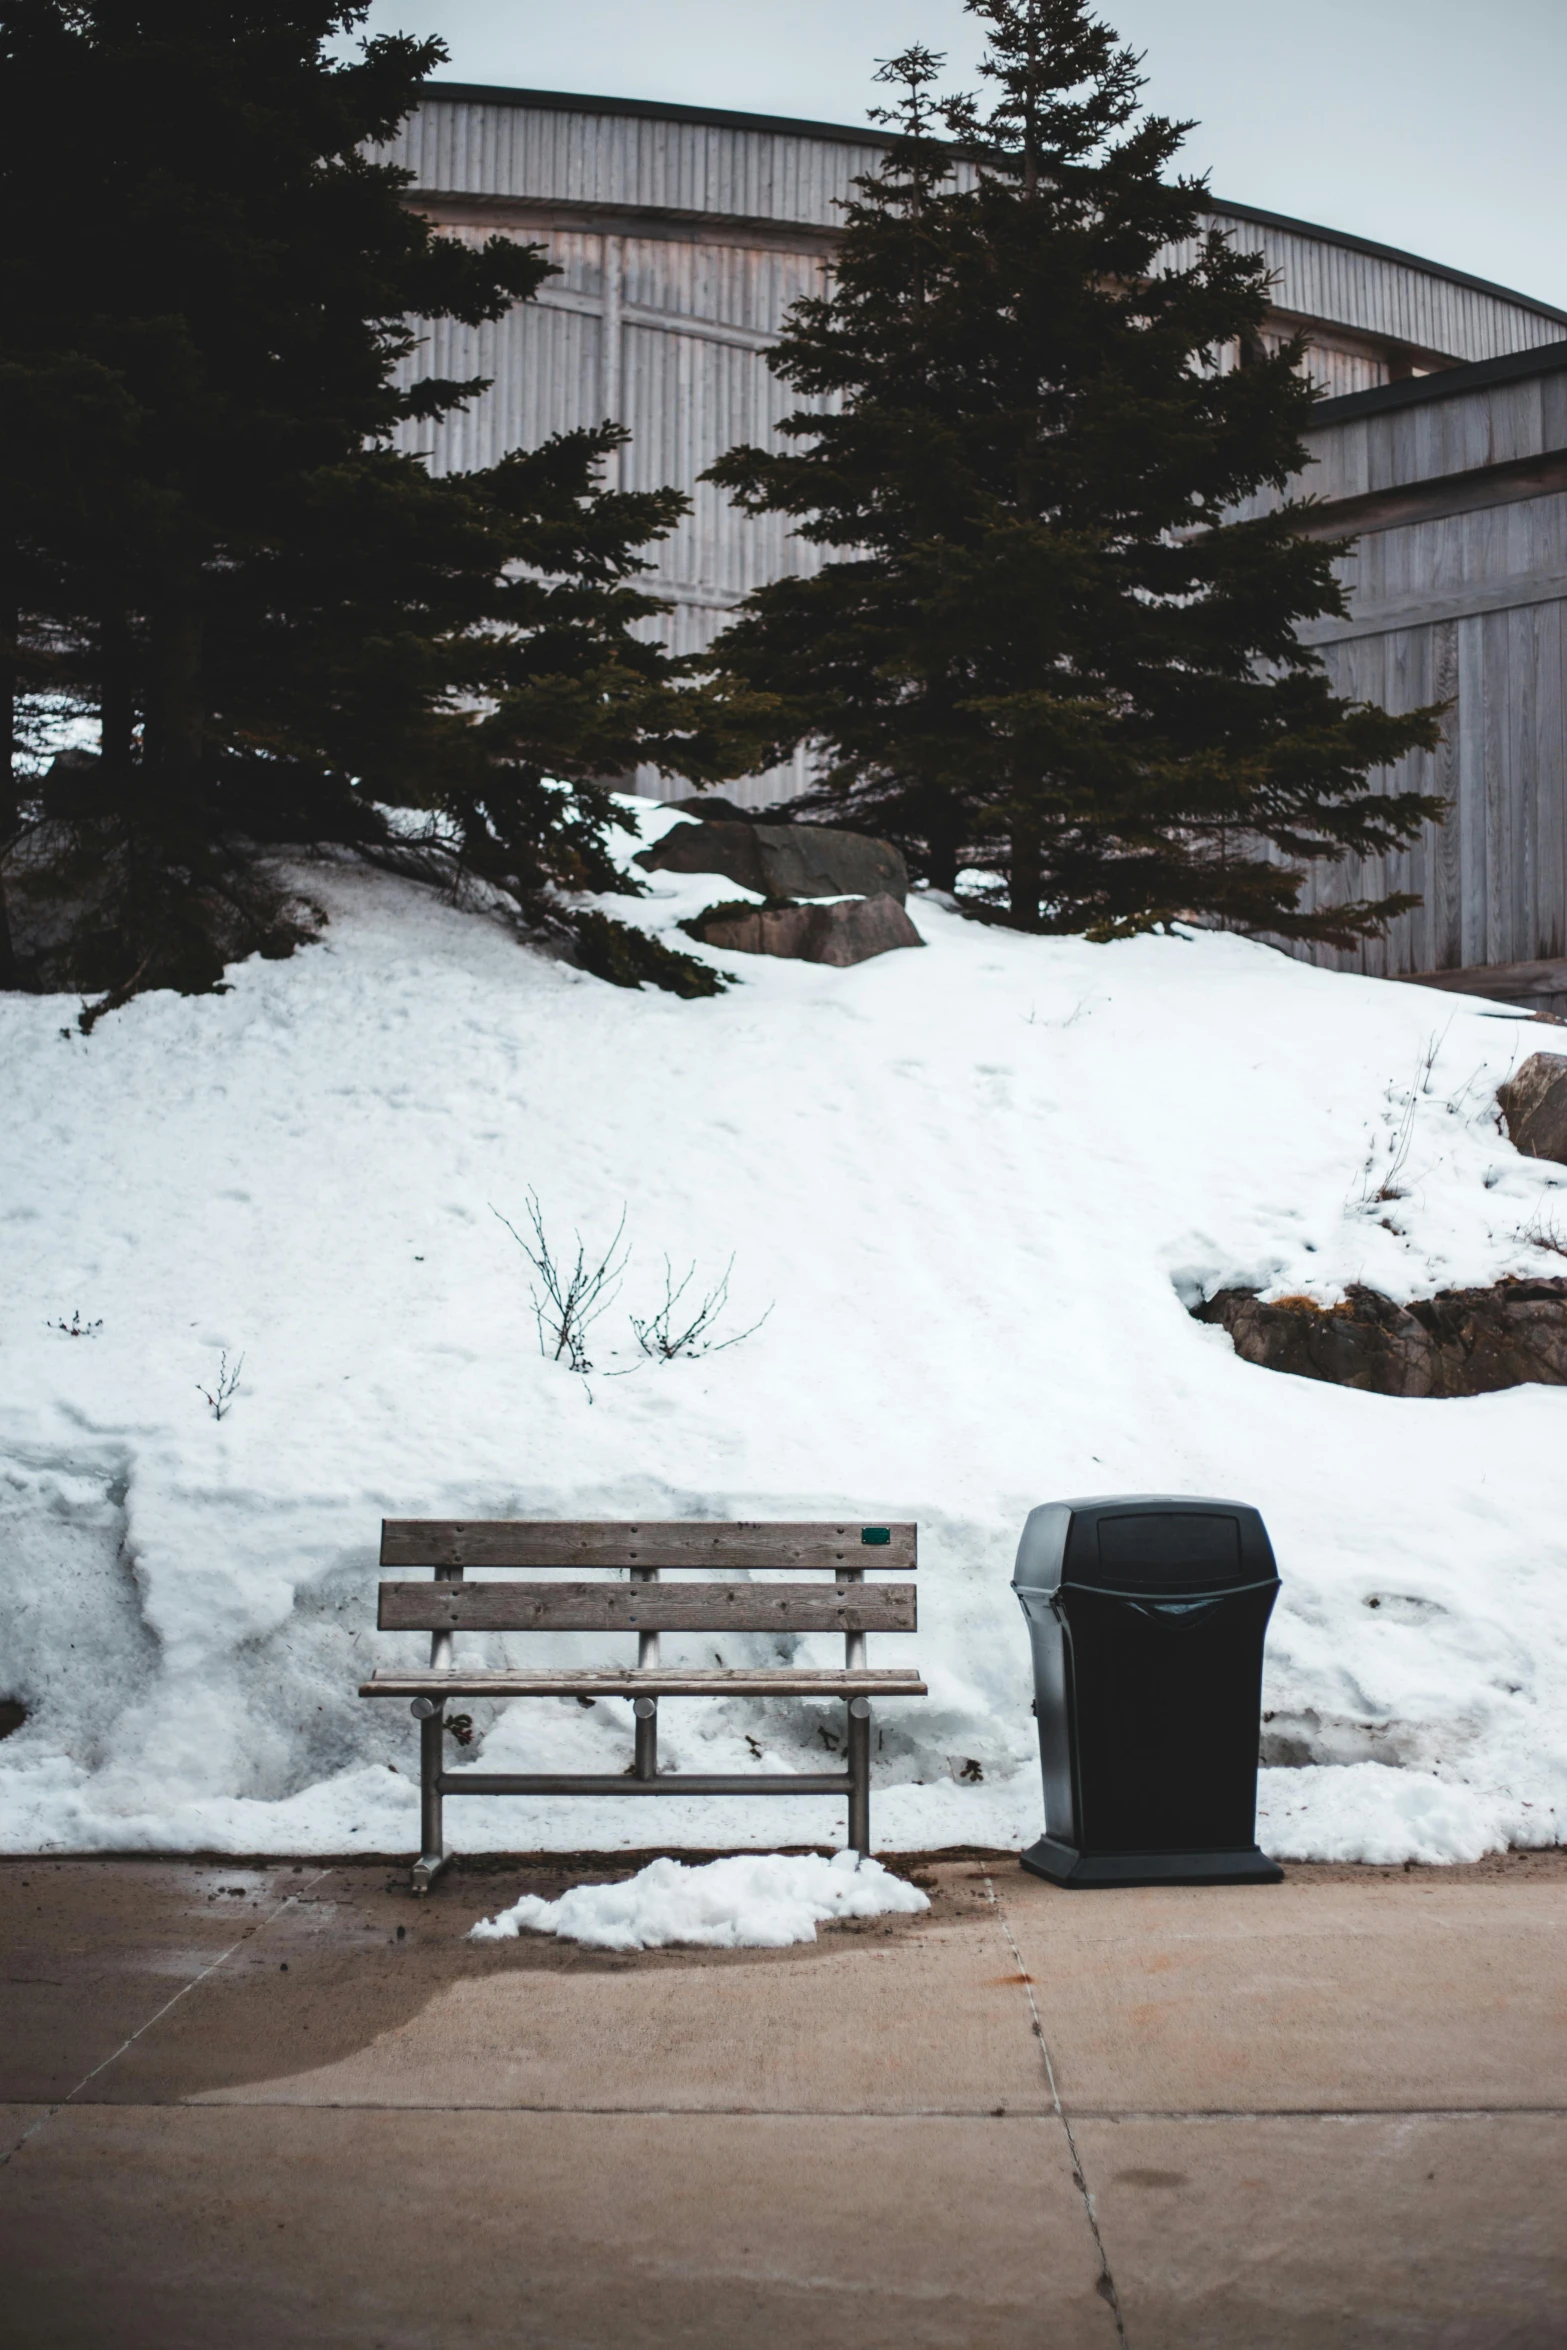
643	1552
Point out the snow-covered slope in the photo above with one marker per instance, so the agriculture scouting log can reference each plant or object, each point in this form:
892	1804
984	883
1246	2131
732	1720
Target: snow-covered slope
978	1186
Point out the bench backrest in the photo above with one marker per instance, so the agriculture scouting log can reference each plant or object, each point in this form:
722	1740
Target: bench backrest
646	1549
455	1543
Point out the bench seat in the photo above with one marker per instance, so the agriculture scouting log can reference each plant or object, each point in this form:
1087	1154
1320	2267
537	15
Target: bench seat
666	1681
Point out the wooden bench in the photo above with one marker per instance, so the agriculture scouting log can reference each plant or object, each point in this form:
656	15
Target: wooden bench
642	1604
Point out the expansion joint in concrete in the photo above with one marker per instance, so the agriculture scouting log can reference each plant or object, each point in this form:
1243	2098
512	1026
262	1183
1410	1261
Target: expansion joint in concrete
157	2016
1106	2282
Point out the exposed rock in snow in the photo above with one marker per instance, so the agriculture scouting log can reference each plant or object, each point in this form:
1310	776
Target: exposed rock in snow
1534	1103
1460	1342
784	860
850	930
711	807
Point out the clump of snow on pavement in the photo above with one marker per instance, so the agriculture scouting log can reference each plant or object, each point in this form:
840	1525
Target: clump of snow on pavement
753	1901
979	1185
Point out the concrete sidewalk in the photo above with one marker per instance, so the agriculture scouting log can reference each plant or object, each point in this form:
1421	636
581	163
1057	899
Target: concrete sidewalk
287	2105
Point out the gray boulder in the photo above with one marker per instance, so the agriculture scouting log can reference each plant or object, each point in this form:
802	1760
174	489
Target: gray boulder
710	807
784	860
849	932
1534	1105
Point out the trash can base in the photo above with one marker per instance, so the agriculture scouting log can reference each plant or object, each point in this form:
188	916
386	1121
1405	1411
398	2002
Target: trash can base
1063	1864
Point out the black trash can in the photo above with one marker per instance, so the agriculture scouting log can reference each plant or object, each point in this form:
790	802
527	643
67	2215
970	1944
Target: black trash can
1147	1616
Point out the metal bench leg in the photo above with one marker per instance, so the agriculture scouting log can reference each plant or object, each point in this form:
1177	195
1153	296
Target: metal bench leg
645	1765
859	1737
860	1776
431	1715
432	1843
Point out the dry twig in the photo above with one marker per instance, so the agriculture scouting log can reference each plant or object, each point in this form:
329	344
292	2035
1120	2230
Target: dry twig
219	1399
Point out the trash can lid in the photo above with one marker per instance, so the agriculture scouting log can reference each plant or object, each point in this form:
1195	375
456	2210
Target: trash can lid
1139	1542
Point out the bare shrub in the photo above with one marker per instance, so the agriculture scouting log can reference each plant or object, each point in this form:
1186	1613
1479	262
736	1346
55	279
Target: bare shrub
681	1328
1380	1189
218	1399
1544	1230
570	1296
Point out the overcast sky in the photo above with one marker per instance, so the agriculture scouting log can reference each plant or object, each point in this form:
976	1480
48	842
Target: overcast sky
1431	124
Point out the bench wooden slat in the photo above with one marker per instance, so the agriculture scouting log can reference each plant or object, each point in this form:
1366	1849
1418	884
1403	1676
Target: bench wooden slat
647	1607
600	1542
671	1681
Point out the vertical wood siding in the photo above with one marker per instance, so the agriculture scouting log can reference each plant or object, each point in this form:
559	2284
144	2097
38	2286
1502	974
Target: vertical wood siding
1493	878
1380	295
509	149
693	306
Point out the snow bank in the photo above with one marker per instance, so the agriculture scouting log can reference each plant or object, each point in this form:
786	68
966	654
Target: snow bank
1363	1811
979	1187
755	1901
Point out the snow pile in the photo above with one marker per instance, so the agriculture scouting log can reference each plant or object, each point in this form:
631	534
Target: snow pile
755	1901
1363	1811
979	1186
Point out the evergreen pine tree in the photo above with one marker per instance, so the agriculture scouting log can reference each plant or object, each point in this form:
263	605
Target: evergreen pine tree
210	544
1047	644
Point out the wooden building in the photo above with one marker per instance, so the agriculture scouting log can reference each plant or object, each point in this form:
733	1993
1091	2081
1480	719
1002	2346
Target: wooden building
683	235
1454	487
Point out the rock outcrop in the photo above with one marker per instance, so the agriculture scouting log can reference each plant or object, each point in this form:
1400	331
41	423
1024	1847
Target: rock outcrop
849	932
710	807
1460	1342
1534	1106
784	860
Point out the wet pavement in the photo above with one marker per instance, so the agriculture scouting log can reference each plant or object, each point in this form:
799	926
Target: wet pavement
286	2104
